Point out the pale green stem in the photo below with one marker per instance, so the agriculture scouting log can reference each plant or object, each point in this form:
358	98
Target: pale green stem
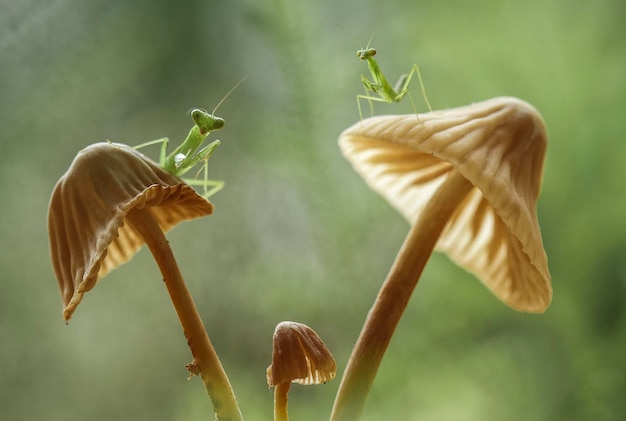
394	296
206	359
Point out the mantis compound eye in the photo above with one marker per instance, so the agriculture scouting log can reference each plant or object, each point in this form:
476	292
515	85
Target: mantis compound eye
365	54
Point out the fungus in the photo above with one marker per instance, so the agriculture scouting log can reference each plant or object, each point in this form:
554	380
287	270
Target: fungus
467	179
111	200
298	356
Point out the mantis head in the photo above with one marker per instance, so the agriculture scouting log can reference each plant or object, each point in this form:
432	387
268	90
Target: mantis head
365	54
206	122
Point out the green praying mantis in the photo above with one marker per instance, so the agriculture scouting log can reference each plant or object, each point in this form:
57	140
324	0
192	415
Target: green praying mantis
380	86
190	152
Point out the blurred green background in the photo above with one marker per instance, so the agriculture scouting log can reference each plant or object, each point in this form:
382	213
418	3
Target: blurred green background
296	234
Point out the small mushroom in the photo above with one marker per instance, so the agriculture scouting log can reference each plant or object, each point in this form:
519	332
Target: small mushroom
467	179
111	200
298	356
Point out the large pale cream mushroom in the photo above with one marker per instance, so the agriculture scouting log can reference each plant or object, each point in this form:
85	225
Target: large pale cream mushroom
298	356
467	179
109	203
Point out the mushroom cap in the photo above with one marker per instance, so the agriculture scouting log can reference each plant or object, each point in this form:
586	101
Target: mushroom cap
499	145
86	214
299	356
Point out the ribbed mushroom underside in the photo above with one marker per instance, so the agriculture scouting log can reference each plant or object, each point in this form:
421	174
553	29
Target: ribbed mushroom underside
499	145
88	237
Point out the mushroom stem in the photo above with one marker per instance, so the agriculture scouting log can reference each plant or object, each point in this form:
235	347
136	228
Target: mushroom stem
213	375
281	392
394	296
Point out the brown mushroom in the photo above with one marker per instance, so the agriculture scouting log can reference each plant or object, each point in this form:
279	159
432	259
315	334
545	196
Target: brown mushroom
298	356
110	201
467	179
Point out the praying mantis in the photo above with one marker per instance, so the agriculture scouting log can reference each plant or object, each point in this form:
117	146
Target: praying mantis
189	153
379	84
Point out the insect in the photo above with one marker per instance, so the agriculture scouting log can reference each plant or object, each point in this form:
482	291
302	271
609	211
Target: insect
379	84
189	152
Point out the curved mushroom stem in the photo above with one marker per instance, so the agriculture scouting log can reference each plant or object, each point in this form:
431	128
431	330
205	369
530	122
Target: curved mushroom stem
394	296
280	401
206	359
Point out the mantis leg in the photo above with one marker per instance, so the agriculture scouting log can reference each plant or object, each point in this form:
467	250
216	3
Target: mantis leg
358	104
413	105
203	155
163	141
216	185
369	99
405	86
368	86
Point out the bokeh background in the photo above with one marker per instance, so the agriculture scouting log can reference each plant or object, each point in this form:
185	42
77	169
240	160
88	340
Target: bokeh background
296	234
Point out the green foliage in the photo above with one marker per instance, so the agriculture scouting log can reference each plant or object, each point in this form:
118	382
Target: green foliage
296	234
